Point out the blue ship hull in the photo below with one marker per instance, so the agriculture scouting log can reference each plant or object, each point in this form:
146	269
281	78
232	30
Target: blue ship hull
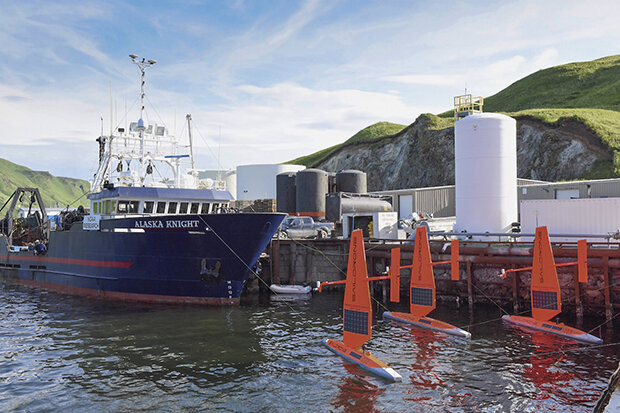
195	259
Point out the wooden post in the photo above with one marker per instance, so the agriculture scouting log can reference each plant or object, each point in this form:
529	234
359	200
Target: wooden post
608	306
292	276
309	259
275	262
470	292
578	306
515	291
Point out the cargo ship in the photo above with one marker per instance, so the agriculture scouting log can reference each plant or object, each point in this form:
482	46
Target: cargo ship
152	233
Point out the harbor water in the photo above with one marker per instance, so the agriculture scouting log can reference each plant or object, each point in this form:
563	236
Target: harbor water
63	353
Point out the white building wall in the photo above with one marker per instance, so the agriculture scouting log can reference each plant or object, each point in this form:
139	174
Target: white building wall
595	216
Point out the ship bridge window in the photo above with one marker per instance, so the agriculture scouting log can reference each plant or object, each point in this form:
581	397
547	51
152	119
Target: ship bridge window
183	208
148	207
149	130
133	127
172	208
205	208
95	207
194	208
128	207
161	207
160	131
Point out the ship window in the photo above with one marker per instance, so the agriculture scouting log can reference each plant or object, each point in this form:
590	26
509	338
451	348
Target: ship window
106	208
149	130
133	126
205	208
123	206
95	209
215	209
160	131
172	208
113	207
194	209
183	208
148	207
133	207
161	207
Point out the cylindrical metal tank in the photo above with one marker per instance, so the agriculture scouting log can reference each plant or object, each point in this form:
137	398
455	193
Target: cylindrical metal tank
351	181
339	203
331	179
310	194
286	192
485	162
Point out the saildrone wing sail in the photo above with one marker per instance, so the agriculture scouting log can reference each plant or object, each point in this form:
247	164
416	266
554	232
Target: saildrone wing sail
422	287
394	273
357	312
545	289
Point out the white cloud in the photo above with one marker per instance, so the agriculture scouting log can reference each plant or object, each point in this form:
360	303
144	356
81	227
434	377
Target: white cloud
287	120
432	80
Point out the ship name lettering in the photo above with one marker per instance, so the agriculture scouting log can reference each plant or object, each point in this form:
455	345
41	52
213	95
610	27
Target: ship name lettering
182	224
149	224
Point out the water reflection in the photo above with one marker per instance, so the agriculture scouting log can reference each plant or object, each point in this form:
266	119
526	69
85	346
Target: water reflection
66	353
356	394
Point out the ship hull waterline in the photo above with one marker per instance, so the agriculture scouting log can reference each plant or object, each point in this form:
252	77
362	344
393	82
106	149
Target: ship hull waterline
364	361
149	259
553	328
426	323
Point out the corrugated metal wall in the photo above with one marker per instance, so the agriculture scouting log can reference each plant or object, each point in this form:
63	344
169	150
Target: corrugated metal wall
440	201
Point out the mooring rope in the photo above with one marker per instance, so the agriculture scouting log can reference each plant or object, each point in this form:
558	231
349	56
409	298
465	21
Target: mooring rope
337	267
243	262
528	310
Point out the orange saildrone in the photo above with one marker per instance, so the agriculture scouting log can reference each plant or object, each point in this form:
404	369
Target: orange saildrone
422	286
357	314
545	290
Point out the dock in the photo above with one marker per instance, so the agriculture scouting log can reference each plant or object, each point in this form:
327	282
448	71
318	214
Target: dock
295	261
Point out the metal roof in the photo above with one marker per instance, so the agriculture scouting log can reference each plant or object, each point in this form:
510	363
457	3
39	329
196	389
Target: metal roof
163	193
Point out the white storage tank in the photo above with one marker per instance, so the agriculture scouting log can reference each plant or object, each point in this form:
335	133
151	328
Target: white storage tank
485	166
259	181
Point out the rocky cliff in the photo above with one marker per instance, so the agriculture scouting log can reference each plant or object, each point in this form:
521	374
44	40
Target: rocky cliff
422	155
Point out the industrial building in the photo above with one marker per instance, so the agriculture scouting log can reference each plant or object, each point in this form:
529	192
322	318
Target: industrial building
440	201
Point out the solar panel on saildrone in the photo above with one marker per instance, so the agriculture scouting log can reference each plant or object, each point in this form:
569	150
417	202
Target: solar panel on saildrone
545	299
422	296
355	322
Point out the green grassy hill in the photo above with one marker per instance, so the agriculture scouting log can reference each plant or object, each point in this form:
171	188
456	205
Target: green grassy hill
54	190
593	85
376	133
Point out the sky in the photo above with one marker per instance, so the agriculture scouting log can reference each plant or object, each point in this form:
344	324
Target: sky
266	81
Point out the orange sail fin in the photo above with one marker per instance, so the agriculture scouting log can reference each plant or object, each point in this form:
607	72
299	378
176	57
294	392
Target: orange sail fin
454	260
394	275
582	260
422	278
545	288
357	312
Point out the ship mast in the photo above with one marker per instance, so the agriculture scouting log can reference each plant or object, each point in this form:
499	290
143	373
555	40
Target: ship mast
189	132
142	65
